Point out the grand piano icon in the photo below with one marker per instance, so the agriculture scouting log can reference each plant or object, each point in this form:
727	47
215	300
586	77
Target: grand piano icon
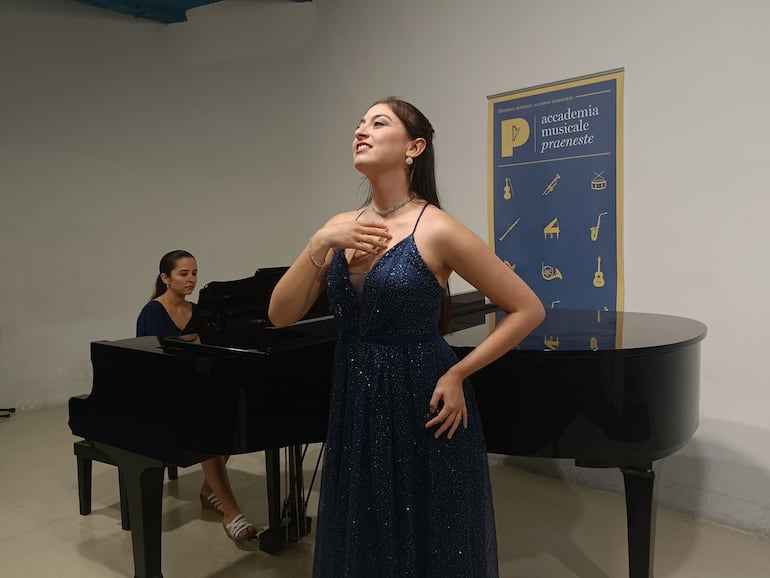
625	404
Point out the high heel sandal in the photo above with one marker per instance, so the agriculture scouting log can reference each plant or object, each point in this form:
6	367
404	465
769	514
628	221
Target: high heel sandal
242	532
212	503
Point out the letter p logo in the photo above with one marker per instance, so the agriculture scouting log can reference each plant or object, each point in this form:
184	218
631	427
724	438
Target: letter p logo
513	133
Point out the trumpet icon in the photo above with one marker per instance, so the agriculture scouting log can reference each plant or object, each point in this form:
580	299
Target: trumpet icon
550	273
552	185
595	230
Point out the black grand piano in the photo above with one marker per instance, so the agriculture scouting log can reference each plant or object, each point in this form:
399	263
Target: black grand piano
606	389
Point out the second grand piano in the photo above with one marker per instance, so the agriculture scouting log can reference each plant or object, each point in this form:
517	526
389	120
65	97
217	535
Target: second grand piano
605	389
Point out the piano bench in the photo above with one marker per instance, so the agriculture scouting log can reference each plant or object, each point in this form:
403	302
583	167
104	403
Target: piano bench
86	453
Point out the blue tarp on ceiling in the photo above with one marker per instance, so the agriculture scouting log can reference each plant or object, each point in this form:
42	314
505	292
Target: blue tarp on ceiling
161	10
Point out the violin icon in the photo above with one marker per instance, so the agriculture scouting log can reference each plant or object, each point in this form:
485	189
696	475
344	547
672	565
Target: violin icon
598	275
507	189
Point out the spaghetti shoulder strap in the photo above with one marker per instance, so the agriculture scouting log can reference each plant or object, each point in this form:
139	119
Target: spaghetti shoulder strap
358	216
419	217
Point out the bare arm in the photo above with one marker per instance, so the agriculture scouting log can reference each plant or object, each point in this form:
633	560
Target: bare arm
474	261
466	254
302	284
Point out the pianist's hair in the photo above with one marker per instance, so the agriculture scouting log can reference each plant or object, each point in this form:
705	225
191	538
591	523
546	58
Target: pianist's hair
422	172
167	264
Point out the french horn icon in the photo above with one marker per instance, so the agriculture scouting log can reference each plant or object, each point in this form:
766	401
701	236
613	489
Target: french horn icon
550	273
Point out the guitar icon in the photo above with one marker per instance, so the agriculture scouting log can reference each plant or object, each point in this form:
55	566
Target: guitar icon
598	275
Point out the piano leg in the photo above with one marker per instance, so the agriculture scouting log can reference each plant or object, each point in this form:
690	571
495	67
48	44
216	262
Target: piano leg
640	484
298	520
271	540
84	484
143	482
291	524
125	521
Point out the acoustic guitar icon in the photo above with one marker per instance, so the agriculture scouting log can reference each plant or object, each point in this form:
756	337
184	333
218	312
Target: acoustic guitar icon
598	275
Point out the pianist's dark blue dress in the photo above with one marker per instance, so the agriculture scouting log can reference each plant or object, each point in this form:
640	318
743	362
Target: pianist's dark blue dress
394	500
155	320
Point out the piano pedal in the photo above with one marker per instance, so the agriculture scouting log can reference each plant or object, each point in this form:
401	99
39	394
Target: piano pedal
271	540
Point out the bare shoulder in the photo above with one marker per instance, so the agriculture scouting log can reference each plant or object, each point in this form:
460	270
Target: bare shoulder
443	229
442	240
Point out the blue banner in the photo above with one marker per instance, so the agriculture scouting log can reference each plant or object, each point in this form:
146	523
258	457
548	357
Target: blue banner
555	198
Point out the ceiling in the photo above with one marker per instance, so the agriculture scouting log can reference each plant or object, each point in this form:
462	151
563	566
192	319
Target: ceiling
166	11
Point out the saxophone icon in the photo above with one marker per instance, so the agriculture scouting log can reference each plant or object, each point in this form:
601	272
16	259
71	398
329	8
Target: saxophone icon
595	230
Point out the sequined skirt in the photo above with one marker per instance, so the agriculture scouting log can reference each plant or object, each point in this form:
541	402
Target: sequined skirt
395	501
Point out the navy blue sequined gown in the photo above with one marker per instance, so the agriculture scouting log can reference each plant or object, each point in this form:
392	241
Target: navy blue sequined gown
395	501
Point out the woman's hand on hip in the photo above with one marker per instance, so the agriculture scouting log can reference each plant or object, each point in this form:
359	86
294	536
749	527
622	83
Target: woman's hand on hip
449	395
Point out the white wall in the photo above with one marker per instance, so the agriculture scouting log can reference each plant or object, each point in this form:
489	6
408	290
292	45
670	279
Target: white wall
229	136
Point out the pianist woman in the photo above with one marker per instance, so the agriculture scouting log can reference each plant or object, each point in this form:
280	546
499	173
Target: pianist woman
405	487
170	313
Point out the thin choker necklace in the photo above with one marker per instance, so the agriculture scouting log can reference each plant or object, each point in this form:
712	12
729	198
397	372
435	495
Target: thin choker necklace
393	209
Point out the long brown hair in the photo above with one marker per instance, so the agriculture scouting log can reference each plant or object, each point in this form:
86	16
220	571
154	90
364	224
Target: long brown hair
422	172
